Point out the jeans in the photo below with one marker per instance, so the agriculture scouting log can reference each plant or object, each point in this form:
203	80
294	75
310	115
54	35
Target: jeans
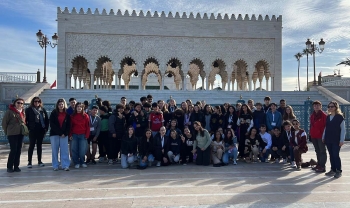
172	157
79	144
334	149
150	158
265	155
15	151
227	156
59	143
291	153
320	149
127	161
102	143
36	136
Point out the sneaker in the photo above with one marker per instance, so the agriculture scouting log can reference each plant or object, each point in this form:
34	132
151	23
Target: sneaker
184	164
17	169
298	168
158	164
29	165
88	161
84	165
293	165
320	170
267	161
337	174
55	169
77	166
284	161
110	162
315	167
234	162
66	169
101	159
330	173
41	164
10	170
93	162
277	161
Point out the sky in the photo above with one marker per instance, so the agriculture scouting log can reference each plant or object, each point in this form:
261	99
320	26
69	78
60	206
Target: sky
302	19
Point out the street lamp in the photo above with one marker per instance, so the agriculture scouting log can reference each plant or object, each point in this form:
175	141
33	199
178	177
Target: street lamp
43	41
312	48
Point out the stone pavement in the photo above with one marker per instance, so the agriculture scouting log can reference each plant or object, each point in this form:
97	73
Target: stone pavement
101	185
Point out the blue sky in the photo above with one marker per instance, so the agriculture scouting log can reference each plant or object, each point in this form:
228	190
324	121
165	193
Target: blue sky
302	19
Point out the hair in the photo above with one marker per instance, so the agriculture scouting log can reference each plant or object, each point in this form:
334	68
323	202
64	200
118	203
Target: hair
241	112
231	106
316	102
154	105
173	130
201	130
137	104
123	98
174	120
106	103
215	135
133	130
276	128
282	100
262	126
71	99
132	102
218	108
143	99
251	129
127	107
199	108
296	120
205	109
149	96
287	116
94	107
103	108
173	101
61	100
267	98
250	100
271	104
76	106
36	98
86	103
258	103
144	134
188	100
337	108
186	109
117	107
287	123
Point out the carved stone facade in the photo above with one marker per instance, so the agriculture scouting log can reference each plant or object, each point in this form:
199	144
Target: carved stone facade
97	49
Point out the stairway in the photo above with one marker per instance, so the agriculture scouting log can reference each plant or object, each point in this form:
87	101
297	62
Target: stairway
50	96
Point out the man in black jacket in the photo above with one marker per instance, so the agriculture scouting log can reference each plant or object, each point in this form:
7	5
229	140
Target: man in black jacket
116	127
280	146
161	147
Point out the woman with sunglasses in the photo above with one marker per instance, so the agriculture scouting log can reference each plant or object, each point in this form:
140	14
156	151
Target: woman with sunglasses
37	121
333	137
11	124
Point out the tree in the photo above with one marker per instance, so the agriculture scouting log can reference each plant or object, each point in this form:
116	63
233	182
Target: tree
307	52
346	62
298	56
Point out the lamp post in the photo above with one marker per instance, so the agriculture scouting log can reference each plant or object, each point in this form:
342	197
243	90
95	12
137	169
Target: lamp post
312	48
43	41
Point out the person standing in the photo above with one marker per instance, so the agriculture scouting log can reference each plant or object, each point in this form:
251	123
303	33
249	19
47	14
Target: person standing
116	127
11	124
317	125
273	118
37	121
201	145
59	131
79	133
333	137
95	129
245	123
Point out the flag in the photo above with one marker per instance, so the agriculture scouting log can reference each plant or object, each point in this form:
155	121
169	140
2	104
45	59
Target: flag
53	85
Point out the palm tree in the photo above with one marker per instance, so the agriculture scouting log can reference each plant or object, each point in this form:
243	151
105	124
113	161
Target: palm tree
307	52
298	56
346	62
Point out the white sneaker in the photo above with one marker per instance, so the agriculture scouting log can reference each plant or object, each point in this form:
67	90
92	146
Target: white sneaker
277	161
55	169
84	165
234	162
110	162
77	166
66	169
284	161
293	165
158	164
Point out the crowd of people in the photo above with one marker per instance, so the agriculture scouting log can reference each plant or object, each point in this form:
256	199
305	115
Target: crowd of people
147	133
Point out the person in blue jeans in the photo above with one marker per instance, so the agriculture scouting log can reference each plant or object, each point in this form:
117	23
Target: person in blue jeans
287	135
146	148
60	127
265	144
231	150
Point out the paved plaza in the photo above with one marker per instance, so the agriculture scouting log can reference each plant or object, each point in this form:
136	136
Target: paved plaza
102	185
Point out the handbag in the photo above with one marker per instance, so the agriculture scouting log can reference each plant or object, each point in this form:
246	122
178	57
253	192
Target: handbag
24	129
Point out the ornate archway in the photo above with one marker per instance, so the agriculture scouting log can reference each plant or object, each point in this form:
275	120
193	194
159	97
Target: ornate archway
218	67
261	71
128	69
241	75
174	70
151	65
104	73
80	73
196	70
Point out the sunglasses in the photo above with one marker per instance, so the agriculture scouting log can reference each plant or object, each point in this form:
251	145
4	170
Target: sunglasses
331	106
37	101
19	103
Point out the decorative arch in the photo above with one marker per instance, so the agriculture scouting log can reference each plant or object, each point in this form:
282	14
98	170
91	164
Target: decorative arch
151	65
173	69
196	70
261	70
104	72
128	69
240	74
80	72
218	67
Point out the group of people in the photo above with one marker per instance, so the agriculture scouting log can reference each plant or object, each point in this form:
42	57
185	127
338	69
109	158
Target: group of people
162	133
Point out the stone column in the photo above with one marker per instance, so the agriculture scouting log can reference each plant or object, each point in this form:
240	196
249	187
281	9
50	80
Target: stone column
250	83
233	85
203	83
162	85
272	83
254	85
69	80
75	82
184	83
260	85
267	84
207	82
92	81
120	81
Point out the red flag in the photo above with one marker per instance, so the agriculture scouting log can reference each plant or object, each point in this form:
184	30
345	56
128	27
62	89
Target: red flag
53	84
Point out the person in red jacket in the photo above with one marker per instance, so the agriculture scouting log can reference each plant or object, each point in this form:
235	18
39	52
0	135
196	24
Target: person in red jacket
79	133
317	126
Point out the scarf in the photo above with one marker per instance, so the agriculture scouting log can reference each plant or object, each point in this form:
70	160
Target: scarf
39	116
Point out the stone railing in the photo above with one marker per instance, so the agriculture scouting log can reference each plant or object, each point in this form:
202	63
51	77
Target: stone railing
20	77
